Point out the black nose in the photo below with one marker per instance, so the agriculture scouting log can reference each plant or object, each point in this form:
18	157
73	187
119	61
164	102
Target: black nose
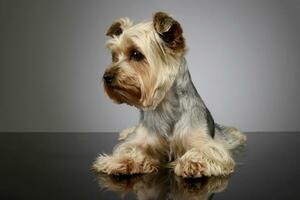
108	78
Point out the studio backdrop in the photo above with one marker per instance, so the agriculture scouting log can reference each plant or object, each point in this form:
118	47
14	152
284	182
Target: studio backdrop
244	59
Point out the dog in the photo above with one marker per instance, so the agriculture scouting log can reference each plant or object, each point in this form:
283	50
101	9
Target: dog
175	129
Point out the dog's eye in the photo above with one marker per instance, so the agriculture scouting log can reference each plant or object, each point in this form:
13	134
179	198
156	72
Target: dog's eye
136	55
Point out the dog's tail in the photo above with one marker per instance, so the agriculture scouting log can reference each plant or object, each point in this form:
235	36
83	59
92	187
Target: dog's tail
230	137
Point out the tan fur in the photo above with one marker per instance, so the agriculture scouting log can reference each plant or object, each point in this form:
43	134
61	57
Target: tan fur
126	132
200	155
118	27
153	87
209	160
174	126
126	88
141	154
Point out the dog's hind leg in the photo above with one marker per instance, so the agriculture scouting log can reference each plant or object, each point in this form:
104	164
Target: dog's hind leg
203	156
209	160
229	137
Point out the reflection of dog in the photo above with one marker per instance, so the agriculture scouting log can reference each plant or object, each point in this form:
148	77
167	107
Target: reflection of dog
149	71
164	185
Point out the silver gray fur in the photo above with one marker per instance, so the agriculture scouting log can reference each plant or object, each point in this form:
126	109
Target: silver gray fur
182	108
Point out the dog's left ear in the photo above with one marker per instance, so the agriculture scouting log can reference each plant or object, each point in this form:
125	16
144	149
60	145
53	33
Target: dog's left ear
169	30
118	27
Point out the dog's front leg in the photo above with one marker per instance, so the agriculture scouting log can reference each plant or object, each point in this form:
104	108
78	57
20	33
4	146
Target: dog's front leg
125	133
131	156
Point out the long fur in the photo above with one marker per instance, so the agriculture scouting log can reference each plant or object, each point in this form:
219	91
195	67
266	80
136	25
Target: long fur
175	125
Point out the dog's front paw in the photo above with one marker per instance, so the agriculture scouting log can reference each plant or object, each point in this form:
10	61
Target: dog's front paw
125	133
122	165
188	168
116	165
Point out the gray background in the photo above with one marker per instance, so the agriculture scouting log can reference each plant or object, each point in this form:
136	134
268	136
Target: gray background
244	57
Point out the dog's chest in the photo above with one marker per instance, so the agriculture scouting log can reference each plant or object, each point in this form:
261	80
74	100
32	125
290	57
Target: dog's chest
163	119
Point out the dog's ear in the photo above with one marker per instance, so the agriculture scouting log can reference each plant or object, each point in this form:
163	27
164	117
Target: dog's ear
118	27
169	30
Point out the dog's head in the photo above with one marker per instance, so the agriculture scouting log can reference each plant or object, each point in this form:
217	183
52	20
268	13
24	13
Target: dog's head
145	60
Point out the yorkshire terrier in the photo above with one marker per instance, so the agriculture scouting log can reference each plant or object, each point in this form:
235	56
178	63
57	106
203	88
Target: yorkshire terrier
175	128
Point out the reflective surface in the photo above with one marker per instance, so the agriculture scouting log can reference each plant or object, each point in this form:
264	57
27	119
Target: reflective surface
57	166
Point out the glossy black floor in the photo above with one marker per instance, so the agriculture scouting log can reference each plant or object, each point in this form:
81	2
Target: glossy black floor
57	166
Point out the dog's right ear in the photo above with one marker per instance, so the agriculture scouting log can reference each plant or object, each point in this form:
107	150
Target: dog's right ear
118	27
169	30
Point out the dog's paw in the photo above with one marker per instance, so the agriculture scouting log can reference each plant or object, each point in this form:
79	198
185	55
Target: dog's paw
189	169
206	162
117	165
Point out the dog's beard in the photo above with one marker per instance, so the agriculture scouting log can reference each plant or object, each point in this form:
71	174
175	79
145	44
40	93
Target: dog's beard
124	93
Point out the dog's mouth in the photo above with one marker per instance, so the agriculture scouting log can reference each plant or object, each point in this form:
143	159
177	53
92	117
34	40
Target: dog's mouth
130	94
